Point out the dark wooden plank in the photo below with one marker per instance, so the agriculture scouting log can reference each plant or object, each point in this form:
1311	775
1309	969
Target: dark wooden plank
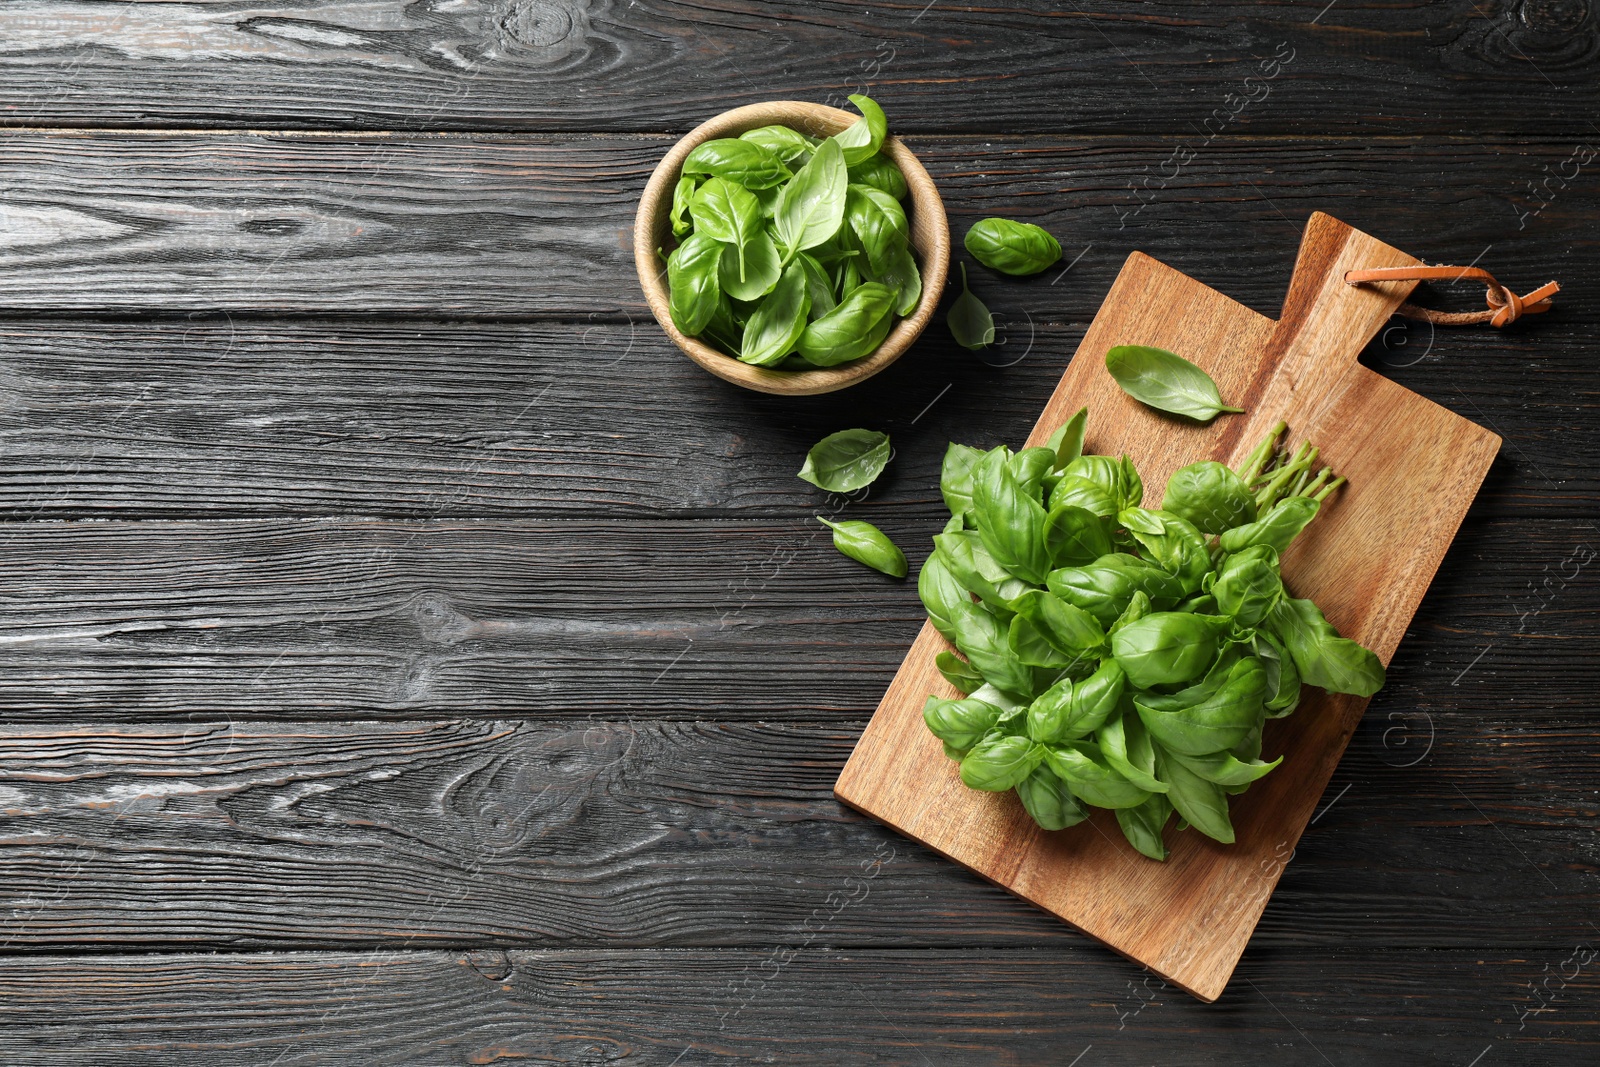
656	65
657	619
1359	1006
609	833
538	224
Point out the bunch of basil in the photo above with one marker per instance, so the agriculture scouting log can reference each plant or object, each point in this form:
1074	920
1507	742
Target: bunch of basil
1118	656
793	253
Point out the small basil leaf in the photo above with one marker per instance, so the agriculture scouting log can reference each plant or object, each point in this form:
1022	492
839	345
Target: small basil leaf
777	322
900	274
940	592
958	672
1127	747
811	208
1323	658
1067	441
1202	803
955	477
789	145
1165	381
865	543
960	724
878	221
819	287
1142	826
1277	528
846	461
861	139
970	322
982	639
1223	768
1217	723
742	162
964	555
1167	647
1010	521
1209	495
682	195
880	172
762	269
728	213
851	330
1247	586
1086	772
692	293
1012	247
1048	799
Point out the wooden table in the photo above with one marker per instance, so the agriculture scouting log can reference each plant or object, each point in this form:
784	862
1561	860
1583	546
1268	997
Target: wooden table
410	658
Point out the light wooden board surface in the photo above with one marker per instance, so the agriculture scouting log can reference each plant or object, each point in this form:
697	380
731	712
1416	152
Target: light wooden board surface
1414	468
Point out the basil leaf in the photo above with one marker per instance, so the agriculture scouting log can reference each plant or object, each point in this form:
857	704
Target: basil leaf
1067	441
1167	647
958	672
1217	723
955	477
1048	800
960	724
1142	826
878	221
789	145
728	213
981	638
775	325
1105	587
971	564
1070	710
1165	381
1223	768
1117	477
846	461
1086	772
1323	658
682	195
762	269
1009	520
970	322
1276	528
1174	544
880	172
1073	634
692	293
1030	466
940	592
865	543
1209	495
811	207
851	330
1202	803
819	288
1012	247
1127	747
861	139
900	275
1283	680
742	162
1247	586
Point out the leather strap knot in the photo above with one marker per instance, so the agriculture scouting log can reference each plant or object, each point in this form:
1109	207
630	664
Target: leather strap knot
1505	307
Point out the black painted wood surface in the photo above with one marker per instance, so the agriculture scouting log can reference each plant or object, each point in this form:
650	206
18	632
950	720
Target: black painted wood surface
410	658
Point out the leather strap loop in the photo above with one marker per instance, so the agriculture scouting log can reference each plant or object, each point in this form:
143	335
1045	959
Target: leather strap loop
1505	307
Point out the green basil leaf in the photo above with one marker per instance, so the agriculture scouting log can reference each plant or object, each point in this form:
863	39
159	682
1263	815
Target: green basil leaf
1323	658
762	269
742	162
1105	587
1012	247
982	639
692	294
1030	467
1247	585
1283	679
1142	826
1210	496
879	223
811	208
880	172
1276	528
846	461
1048	800
682	195
1223	769
1010	521
955	477
774	328
728	213
1171	543
865	543
1067	441
970	322
851	330
901	276
790	146
1073	633
1165	381
940	592
1127	747
862	138
1085	770
998	764
819	287
1117	477
1167	647
1074	491
1138	607
1202	803
1217	723
1074	537
958	672
1070	710
959	723
965	556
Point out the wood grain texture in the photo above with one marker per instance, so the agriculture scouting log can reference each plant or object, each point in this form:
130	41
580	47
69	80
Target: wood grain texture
1367	564
540	225
660	65
676	619
603	833
1361	1006
602	419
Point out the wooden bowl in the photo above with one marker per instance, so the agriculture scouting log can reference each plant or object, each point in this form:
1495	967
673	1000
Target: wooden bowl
930	245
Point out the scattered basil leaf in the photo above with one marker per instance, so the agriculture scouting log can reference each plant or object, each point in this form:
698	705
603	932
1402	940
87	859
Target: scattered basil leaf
682	195
970	322
865	543
846	461
1012	247
1165	381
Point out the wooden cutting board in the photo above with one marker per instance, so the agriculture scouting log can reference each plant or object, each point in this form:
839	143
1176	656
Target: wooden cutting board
1367	560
